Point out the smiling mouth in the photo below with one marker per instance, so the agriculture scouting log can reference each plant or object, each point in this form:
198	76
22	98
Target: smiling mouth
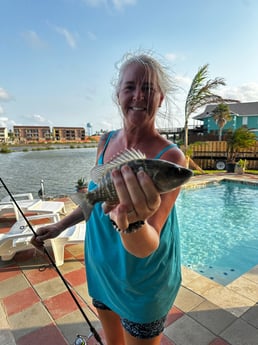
138	108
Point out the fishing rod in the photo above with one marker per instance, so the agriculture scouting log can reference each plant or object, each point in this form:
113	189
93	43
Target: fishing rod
79	339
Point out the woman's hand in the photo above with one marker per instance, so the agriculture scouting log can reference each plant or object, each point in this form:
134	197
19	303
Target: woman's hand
138	197
44	233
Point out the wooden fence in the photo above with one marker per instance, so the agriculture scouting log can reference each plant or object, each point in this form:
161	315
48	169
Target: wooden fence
207	154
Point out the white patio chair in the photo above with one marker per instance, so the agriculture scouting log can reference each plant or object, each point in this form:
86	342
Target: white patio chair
20	234
36	206
8	207
24	196
73	235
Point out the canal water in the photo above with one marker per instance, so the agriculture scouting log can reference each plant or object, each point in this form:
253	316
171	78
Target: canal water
59	169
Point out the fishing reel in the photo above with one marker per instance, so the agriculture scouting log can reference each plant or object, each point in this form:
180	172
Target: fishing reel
82	339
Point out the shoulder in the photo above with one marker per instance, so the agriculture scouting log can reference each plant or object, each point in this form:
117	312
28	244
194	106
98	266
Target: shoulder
172	154
175	155
103	140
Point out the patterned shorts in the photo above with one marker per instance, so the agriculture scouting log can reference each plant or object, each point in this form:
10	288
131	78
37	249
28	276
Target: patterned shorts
137	330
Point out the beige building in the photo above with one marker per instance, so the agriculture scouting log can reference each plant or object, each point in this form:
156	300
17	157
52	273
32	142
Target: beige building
3	135
25	134
68	134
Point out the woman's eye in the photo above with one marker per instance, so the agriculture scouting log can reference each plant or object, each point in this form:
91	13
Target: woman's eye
128	88
148	88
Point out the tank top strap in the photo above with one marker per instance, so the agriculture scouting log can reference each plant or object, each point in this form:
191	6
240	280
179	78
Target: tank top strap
101	157
164	150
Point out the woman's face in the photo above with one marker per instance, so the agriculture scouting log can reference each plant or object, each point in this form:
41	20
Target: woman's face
139	95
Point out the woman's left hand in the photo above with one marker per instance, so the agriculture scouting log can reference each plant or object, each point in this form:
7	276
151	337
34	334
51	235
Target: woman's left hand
138	197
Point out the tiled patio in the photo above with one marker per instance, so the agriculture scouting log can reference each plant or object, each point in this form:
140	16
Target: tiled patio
36	307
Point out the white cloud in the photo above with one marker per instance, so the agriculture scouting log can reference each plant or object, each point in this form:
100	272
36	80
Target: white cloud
4	95
244	93
3	121
117	4
6	122
35	119
1	110
91	36
171	57
95	3
69	37
33	39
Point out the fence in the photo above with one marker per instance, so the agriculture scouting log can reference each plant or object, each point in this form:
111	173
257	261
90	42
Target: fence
207	154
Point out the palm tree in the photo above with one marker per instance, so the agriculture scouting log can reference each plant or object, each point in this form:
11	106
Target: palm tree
241	138
200	94
221	115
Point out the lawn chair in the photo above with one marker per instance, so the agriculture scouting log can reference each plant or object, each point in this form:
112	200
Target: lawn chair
24	196
8	208
31	206
20	234
73	235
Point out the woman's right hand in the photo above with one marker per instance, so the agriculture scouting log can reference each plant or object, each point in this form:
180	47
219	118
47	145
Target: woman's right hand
44	233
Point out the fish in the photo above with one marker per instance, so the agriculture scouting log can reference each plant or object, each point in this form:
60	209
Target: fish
165	175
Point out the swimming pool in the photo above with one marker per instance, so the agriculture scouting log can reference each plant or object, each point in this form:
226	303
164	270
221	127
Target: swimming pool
219	229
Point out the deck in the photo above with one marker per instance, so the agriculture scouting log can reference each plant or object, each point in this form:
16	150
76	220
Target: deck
36	308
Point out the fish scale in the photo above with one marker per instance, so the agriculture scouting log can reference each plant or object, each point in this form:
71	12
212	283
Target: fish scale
165	175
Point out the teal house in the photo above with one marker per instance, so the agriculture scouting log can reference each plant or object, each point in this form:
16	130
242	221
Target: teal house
242	114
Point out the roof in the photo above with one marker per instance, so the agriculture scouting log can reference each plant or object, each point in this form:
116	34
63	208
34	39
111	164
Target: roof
242	109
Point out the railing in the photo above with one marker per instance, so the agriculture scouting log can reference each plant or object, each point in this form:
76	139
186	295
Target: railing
206	154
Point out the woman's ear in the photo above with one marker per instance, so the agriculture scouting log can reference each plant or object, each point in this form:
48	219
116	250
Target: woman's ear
161	100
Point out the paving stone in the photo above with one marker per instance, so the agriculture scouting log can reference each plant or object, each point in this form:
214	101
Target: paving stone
50	288
13	285
251	316
74	323
6	336
240	333
49	335
245	287
186	299
186	331
29	320
212	317
229	300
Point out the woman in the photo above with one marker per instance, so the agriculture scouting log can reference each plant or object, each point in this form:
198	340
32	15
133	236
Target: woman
133	274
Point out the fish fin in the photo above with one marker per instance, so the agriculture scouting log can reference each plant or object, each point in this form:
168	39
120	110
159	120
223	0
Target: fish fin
126	156
87	208
80	200
77	198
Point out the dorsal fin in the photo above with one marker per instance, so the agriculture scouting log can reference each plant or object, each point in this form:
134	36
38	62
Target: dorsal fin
126	156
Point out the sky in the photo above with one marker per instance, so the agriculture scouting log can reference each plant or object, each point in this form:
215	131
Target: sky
58	57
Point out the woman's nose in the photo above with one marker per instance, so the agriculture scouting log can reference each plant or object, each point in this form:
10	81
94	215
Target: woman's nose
138	94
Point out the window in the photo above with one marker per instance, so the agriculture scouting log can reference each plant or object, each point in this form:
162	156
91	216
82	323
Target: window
244	121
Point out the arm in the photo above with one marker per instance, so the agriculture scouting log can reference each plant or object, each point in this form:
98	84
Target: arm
53	230
138	193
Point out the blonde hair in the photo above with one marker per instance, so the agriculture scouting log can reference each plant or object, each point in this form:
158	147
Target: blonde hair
153	66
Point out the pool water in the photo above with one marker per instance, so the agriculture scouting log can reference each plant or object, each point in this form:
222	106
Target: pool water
219	229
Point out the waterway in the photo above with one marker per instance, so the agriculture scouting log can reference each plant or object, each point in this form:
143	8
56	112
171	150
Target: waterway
59	169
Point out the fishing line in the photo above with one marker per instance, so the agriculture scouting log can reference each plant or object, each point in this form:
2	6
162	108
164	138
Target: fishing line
92	329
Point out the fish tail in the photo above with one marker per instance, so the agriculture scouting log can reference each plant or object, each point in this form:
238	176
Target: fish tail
87	208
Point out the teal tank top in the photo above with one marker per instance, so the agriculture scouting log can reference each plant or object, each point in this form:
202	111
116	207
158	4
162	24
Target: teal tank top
139	289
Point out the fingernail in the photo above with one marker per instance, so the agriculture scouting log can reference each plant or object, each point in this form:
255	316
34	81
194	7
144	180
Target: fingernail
125	168
140	173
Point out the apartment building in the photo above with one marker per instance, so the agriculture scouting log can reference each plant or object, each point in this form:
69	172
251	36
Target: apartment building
63	134
27	134
3	135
